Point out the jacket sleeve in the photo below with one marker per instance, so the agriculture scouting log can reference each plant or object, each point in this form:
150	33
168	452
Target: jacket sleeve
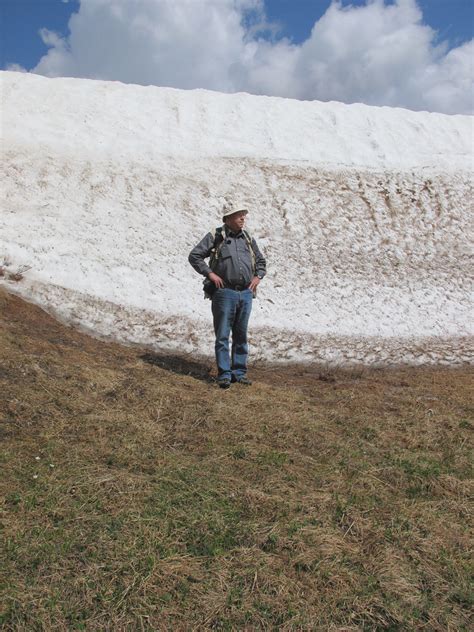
260	262
200	252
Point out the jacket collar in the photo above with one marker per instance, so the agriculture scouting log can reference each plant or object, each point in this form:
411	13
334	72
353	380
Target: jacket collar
229	233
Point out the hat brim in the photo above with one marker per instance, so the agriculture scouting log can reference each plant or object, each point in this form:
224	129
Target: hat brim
239	210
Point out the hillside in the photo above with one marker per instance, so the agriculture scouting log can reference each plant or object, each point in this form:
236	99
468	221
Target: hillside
139	496
364	215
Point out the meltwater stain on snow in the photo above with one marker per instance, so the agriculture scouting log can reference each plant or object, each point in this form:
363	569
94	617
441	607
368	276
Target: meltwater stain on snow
365	217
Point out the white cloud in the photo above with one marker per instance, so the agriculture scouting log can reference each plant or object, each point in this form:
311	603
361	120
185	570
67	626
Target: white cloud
16	68
379	53
179	43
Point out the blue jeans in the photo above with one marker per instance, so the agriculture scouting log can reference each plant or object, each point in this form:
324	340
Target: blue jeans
231	312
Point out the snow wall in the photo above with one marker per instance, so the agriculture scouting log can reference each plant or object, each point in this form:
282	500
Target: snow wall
364	215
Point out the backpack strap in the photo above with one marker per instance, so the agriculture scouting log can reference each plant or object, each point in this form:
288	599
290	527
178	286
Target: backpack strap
219	238
248	239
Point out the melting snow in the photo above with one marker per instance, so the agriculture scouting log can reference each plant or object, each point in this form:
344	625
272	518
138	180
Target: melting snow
364	215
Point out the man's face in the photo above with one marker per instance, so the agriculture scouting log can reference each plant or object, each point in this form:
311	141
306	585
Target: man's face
236	221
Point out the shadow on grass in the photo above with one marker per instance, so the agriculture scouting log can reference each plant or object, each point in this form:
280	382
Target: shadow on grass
180	365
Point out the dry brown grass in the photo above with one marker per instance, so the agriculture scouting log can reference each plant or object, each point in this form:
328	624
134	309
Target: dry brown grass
136	497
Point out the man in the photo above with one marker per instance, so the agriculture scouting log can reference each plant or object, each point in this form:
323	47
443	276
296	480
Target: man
234	271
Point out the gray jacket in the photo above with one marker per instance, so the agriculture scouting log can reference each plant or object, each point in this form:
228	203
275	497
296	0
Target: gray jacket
234	264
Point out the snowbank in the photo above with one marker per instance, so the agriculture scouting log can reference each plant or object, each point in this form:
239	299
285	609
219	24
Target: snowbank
363	214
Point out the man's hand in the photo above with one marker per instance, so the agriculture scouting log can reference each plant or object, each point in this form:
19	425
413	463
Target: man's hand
253	283
218	282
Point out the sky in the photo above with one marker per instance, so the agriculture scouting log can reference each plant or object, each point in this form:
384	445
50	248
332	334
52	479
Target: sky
417	54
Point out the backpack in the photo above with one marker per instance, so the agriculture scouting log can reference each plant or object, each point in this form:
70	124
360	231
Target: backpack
219	239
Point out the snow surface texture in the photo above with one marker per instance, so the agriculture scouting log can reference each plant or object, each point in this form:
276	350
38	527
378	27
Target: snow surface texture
364	215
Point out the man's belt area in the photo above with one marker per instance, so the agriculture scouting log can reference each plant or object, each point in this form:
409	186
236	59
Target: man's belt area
237	288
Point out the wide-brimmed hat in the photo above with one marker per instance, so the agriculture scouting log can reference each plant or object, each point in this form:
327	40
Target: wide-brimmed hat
230	208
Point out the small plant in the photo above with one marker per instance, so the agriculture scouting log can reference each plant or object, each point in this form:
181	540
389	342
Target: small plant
3	267
18	275
239	453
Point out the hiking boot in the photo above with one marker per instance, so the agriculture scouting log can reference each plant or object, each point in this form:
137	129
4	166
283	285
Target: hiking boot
225	383
245	381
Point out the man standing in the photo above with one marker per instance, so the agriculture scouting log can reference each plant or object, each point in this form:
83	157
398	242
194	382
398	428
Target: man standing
235	269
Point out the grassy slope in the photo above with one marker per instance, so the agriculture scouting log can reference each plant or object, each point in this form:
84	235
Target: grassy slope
136	497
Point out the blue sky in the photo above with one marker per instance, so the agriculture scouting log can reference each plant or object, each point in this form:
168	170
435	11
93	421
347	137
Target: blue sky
289	37
21	21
